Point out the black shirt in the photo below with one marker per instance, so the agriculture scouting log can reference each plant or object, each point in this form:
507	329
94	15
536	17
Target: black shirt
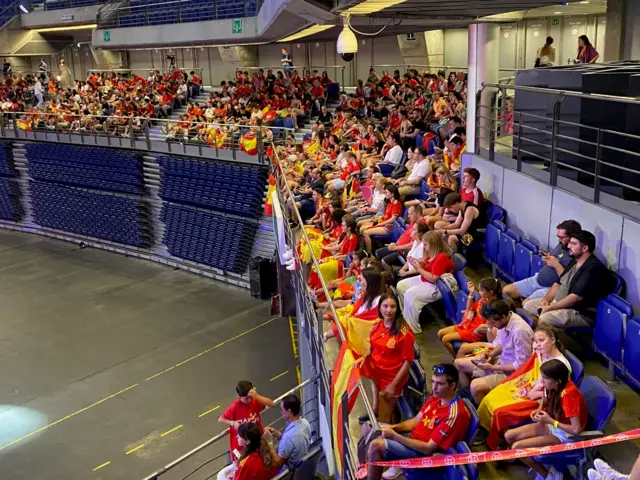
592	282
325	118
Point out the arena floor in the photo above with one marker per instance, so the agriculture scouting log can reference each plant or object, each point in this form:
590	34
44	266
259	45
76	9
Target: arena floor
112	366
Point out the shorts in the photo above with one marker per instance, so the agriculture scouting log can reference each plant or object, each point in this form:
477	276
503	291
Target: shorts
530	288
559	434
492	379
467	336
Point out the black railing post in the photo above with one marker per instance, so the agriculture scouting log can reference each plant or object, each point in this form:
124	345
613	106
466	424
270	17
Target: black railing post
596	182
215	11
519	150
179	12
14	120
147	136
476	134
555	126
492	129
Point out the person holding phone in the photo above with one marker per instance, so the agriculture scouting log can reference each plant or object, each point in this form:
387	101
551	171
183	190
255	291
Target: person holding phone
561	415
554	264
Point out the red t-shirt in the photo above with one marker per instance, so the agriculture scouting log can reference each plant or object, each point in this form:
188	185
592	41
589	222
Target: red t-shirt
474	196
405	238
393	208
388	354
573	405
472	318
252	468
349	245
244	413
350	168
441	264
317	91
446	425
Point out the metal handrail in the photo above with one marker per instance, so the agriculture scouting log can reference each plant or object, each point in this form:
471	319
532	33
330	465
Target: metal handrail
409	66
299	68
214	439
325	290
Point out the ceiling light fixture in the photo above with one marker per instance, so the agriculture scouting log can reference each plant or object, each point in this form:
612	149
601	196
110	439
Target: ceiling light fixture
584	2
557	13
306	32
65	29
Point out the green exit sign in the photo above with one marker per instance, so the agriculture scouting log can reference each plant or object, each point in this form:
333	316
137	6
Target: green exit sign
555	21
236	27
107	35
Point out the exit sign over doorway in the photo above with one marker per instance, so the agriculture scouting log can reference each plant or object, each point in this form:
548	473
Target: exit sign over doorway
236	27
555	21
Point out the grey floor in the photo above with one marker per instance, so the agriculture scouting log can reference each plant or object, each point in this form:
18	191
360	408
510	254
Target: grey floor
100	354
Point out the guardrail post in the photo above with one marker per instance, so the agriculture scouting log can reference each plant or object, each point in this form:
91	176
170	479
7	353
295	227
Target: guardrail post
553	168
259	144
492	125
132	137
596	182
2	124
215	13
518	151
478	118
147	137
14	120
342	80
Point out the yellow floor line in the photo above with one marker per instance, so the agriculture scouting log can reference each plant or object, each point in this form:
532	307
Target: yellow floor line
101	466
42	429
134	449
293	339
171	431
278	376
209	411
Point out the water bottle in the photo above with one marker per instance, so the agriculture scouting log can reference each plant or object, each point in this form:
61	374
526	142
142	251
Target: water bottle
569	62
356	291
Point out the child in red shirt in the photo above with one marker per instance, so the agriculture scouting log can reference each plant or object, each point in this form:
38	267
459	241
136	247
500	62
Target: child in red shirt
465	331
246	408
256	462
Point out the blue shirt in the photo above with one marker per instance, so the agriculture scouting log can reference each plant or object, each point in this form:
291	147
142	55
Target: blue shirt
295	441
547	276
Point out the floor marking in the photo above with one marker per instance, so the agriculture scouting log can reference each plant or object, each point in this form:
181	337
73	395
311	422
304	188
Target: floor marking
298	374
101	466
278	376
42	429
134	449
171	431
293	339
246	332
209	411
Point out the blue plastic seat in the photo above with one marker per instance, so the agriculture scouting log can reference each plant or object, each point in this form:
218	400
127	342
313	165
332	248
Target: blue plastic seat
601	404
522	260
631	357
506	252
577	368
459	262
385	169
494	212
536	264
610	327
492	241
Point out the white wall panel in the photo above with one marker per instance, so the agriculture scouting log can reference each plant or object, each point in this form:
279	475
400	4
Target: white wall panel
629	263
456	47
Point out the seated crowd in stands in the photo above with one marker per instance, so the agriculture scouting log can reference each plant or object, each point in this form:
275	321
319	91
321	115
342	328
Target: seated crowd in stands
388	208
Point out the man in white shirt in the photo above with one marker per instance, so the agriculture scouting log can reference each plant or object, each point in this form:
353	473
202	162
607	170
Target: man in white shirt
38	93
419	171
394	154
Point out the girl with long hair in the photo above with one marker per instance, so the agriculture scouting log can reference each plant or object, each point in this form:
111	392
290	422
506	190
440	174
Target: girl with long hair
387	357
416	292
586	52
561	414
256	462
392	211
468	330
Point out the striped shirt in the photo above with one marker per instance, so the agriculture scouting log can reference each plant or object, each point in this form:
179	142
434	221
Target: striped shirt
445	424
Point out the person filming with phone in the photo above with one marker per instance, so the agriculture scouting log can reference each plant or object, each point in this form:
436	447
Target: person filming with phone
554	261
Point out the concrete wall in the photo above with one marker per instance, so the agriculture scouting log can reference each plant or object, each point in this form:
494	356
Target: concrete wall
535	215
456	47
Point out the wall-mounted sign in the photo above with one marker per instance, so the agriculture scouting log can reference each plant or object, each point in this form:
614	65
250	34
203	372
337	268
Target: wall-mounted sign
555	21
66	18
236	27
411	36
107	36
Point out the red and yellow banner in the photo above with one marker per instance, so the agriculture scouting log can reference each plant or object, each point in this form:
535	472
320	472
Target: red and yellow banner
249	144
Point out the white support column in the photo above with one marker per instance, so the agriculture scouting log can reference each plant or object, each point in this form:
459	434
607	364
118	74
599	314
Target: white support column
483	67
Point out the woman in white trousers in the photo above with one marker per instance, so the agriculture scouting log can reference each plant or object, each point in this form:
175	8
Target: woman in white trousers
416	292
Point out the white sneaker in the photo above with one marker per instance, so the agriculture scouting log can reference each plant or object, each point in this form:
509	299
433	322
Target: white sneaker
594	475
607	471
392	473
554	474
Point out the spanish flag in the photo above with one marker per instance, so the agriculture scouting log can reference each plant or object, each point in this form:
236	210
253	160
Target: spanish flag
249	144
24	125
311	146
344	379
268	205
221	137
507	404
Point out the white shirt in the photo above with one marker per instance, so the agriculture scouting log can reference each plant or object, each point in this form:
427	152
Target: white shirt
394	156
363	308
182	89
419	170
37	89
417	252
378	198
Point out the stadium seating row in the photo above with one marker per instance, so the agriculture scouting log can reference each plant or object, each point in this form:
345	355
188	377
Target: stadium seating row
207	237
95	214
98	168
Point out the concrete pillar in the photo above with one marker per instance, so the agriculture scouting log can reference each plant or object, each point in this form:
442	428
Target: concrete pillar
631	32
483	67
434	40
615	33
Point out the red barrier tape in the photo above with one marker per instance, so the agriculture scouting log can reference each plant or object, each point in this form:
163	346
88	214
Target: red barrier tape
499	455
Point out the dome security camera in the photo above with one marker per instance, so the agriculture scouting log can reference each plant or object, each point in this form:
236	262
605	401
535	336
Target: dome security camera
347	44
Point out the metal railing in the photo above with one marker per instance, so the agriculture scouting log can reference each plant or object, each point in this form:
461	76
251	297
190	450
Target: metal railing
37	5
177	11
334	72
135	132
220	459
312	324
545	133
432	68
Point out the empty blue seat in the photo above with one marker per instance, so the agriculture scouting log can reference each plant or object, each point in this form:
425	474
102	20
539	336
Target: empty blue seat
459	262
631	357
506	252
492	241
577	368
610	327
522	260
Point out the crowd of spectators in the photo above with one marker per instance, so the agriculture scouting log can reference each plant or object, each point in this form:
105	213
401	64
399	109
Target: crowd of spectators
386	165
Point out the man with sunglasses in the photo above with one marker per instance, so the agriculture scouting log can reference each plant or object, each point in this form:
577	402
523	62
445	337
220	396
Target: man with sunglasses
442	422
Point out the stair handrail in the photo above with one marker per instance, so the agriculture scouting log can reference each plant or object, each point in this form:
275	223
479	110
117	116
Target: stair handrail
13	6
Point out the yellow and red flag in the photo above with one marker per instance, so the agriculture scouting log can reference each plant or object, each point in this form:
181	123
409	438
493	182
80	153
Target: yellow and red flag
249	144
24	125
